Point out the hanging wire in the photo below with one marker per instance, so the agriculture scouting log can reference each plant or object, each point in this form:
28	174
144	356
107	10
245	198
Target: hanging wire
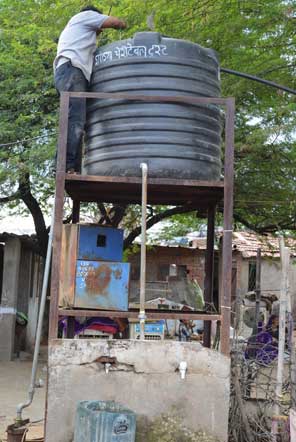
26	140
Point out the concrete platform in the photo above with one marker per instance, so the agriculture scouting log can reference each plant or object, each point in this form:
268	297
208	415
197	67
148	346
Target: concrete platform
144	377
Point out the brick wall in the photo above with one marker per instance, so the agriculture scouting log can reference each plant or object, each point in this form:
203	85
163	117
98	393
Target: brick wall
159	256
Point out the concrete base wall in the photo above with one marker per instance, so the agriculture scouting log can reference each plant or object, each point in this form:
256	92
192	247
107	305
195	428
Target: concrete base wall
145	378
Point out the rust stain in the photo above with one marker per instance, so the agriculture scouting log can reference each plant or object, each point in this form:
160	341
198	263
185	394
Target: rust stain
97	280
90	257
118	273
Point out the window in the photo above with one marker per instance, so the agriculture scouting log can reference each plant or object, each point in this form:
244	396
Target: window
101	241
252	276
166	271
135	272
163	272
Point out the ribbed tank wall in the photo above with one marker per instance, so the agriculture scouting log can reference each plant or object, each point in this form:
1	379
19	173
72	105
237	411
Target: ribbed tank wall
176	140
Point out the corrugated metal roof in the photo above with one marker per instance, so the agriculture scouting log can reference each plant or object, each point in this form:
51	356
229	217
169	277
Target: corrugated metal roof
248	243
17	225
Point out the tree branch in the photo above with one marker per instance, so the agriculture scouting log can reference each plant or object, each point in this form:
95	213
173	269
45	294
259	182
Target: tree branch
155	219
34	208
268	228
8	199
112	216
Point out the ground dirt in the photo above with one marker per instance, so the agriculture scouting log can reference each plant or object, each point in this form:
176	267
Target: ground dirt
14	382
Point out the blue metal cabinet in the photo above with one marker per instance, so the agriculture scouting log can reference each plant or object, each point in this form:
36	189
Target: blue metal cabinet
102	285
100	243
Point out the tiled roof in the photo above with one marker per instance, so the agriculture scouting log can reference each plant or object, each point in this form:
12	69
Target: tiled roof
248	243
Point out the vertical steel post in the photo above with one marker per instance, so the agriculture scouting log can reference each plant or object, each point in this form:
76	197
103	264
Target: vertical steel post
227	228
142	315
59	205
209	272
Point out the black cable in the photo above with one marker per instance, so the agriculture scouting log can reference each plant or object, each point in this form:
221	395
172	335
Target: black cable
259	80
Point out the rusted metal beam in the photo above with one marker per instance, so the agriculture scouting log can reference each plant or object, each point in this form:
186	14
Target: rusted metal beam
59	205
209	272
70	327
128	189
211	190
227	228
163	314
76	211
138	180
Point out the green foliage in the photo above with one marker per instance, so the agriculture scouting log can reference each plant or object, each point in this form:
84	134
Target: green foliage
180	225
257	37
170	428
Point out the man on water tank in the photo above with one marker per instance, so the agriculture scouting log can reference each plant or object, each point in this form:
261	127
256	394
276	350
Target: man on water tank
73	68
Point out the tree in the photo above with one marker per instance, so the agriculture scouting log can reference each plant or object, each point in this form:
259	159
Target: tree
255	37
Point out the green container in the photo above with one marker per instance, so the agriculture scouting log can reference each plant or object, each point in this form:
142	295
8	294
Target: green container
100	421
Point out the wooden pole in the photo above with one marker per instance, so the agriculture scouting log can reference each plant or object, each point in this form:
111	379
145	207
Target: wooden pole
58	217
227	229
292	347
293	371
209	272
257	291
285	261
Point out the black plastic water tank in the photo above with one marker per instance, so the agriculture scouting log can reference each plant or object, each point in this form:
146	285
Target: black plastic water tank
175	140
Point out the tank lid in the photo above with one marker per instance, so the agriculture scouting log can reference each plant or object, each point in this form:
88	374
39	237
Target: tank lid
149	37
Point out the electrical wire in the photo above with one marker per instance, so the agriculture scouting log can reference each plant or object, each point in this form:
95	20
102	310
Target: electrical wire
14	143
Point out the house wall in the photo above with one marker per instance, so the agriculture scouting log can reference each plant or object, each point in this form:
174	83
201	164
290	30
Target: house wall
242	273
270	284
193	259
270	274
145	378
33	300
22	278
8	307
292	283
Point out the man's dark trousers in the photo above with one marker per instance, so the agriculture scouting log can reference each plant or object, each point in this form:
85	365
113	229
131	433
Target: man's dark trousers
71	79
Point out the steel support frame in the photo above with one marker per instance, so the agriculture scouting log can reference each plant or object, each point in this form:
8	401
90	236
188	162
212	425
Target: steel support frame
225	284
209	274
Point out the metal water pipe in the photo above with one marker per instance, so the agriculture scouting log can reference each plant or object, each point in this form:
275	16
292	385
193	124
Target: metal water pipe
32	386
259	80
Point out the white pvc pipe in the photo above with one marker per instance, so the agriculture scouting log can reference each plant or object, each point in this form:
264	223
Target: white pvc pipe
32	386
142	315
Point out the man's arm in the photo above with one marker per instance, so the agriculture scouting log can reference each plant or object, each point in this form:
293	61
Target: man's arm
114	22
